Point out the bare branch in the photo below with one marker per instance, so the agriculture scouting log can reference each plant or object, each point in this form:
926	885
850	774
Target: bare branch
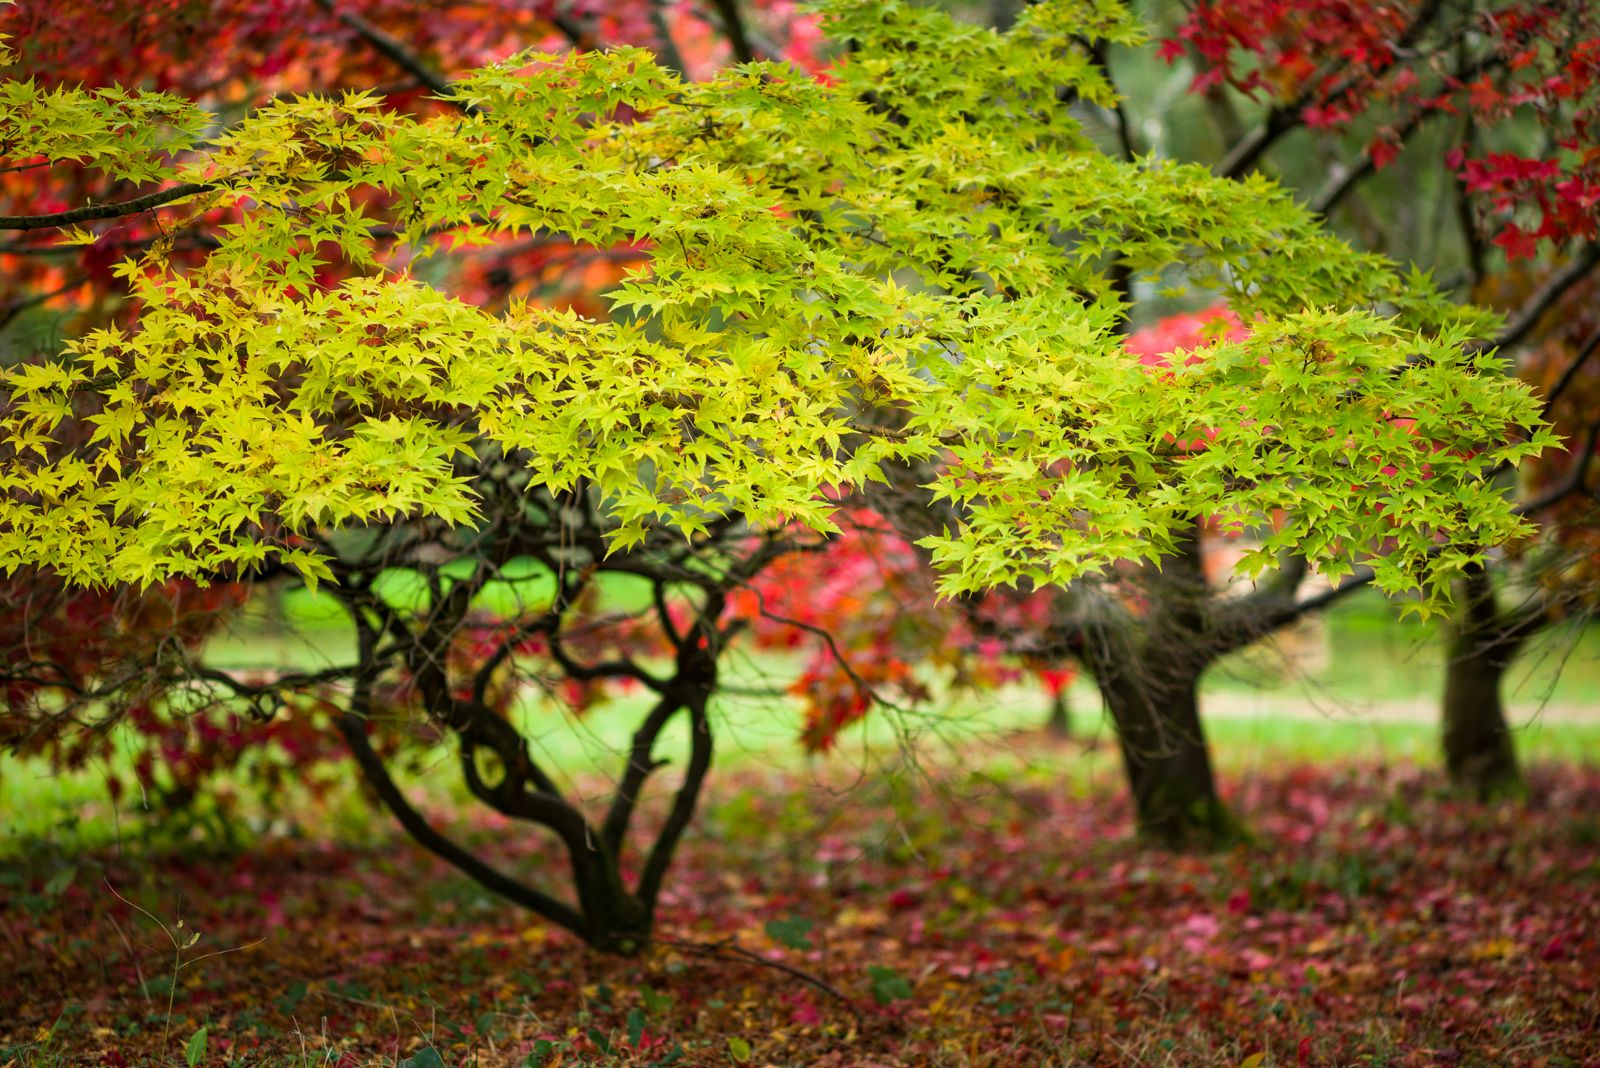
404	57
1543	298
91	212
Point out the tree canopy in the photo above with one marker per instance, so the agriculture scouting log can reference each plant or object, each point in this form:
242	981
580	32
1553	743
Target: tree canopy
909	262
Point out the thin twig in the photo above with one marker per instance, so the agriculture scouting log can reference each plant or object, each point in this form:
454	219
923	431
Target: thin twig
137	970
737	954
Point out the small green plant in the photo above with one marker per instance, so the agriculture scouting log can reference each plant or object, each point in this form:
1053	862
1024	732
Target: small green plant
888	985
182	941
195	1051
791	931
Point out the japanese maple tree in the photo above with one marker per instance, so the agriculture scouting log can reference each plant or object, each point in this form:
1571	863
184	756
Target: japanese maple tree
1511	90
1505	95
904	285
235	55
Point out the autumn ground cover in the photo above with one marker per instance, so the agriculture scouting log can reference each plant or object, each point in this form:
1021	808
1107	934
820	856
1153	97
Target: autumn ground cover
969	912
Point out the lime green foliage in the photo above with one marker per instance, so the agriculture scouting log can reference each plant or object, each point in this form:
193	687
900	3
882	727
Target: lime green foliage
7	56
124	133
913	263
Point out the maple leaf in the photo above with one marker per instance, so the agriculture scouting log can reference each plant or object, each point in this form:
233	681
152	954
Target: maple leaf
1484	96
1518	243
1384	149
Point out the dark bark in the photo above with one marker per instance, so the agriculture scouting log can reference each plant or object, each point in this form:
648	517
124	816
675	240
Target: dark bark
1479	753
354	729
607	913
92	212
1060	721
1148	672
1155	705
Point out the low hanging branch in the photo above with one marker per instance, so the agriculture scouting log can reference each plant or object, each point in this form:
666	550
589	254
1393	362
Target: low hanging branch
92	212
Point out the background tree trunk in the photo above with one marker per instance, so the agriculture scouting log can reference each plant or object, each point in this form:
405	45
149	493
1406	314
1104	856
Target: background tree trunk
1478	750
1155	706
1059	721
1148	671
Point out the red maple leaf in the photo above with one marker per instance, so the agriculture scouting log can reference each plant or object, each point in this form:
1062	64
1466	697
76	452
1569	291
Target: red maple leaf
1383	150
1518	243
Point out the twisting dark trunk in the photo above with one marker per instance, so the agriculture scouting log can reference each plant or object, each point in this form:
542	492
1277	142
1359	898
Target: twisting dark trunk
605	911
1478	750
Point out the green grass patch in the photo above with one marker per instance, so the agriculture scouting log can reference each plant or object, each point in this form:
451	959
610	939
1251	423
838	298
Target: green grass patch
1360	687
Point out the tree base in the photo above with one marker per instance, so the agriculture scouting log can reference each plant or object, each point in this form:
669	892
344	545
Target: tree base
1489	785
1205	826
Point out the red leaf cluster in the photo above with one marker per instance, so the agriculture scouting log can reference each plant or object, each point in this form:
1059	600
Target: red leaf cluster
1337	64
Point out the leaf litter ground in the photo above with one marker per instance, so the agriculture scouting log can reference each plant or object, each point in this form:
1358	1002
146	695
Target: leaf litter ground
974	920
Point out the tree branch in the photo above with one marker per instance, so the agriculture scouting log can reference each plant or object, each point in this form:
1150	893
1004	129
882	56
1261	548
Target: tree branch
1243	621
1329	196
733	28
1285	117
1244	154
402	56
604	669
641	763
1099	55
91	212
1360	579
683	804
354	729
1554	288
1589	348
